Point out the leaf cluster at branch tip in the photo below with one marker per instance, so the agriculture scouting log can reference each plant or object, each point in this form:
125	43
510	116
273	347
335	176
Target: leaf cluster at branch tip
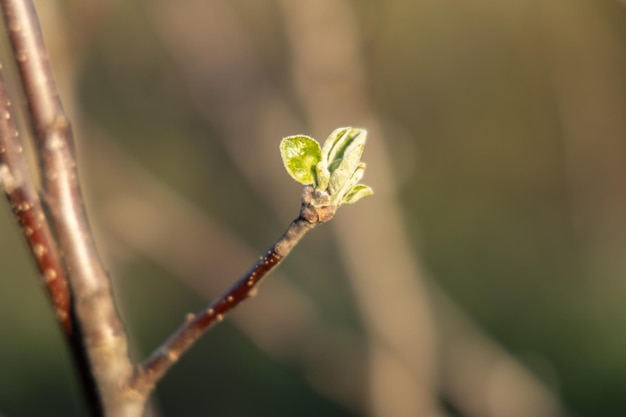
333	169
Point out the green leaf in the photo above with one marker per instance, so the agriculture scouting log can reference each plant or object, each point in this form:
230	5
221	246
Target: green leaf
333	145
358	192
339	142
348	159
323	176
334	170
301	154
348	184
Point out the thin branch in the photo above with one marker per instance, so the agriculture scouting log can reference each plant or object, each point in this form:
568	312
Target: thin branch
137	217
23	197
104	336
26	206
151	371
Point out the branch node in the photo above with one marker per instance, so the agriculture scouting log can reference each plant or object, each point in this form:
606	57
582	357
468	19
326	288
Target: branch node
8	182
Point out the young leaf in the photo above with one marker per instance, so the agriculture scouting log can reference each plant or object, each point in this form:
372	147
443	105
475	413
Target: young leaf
350	160
333	144
333	171
301	154
339	142
323	176
348	184
358	192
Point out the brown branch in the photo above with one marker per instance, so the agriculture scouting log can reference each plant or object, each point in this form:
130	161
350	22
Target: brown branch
137	220
26	206
23	198
151	371
104	337
122	392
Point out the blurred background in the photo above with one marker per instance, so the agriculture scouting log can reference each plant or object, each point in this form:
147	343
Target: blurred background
486	276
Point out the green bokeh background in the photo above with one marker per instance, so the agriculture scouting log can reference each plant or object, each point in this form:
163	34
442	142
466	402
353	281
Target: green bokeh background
506	123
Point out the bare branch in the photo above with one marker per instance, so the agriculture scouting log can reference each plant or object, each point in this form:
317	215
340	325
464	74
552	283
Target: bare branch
194	326
104	337
26	206
137	217
23	197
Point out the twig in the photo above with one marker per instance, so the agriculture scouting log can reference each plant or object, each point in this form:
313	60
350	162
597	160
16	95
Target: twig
331	173
22	195
26	206
194	326
123	392
137	219
104	337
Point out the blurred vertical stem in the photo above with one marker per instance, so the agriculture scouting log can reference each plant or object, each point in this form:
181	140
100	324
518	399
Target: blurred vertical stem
23	197
26	206
326	52
103	335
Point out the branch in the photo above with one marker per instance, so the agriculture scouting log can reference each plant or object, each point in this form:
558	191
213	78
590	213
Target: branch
153	369
334	171
25	203
328	354
26	206
104	337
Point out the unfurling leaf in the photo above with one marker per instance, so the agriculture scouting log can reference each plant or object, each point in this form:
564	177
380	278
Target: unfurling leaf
358	192
348	164
301	154
348	184
333	171
333	145
323	176
337	146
